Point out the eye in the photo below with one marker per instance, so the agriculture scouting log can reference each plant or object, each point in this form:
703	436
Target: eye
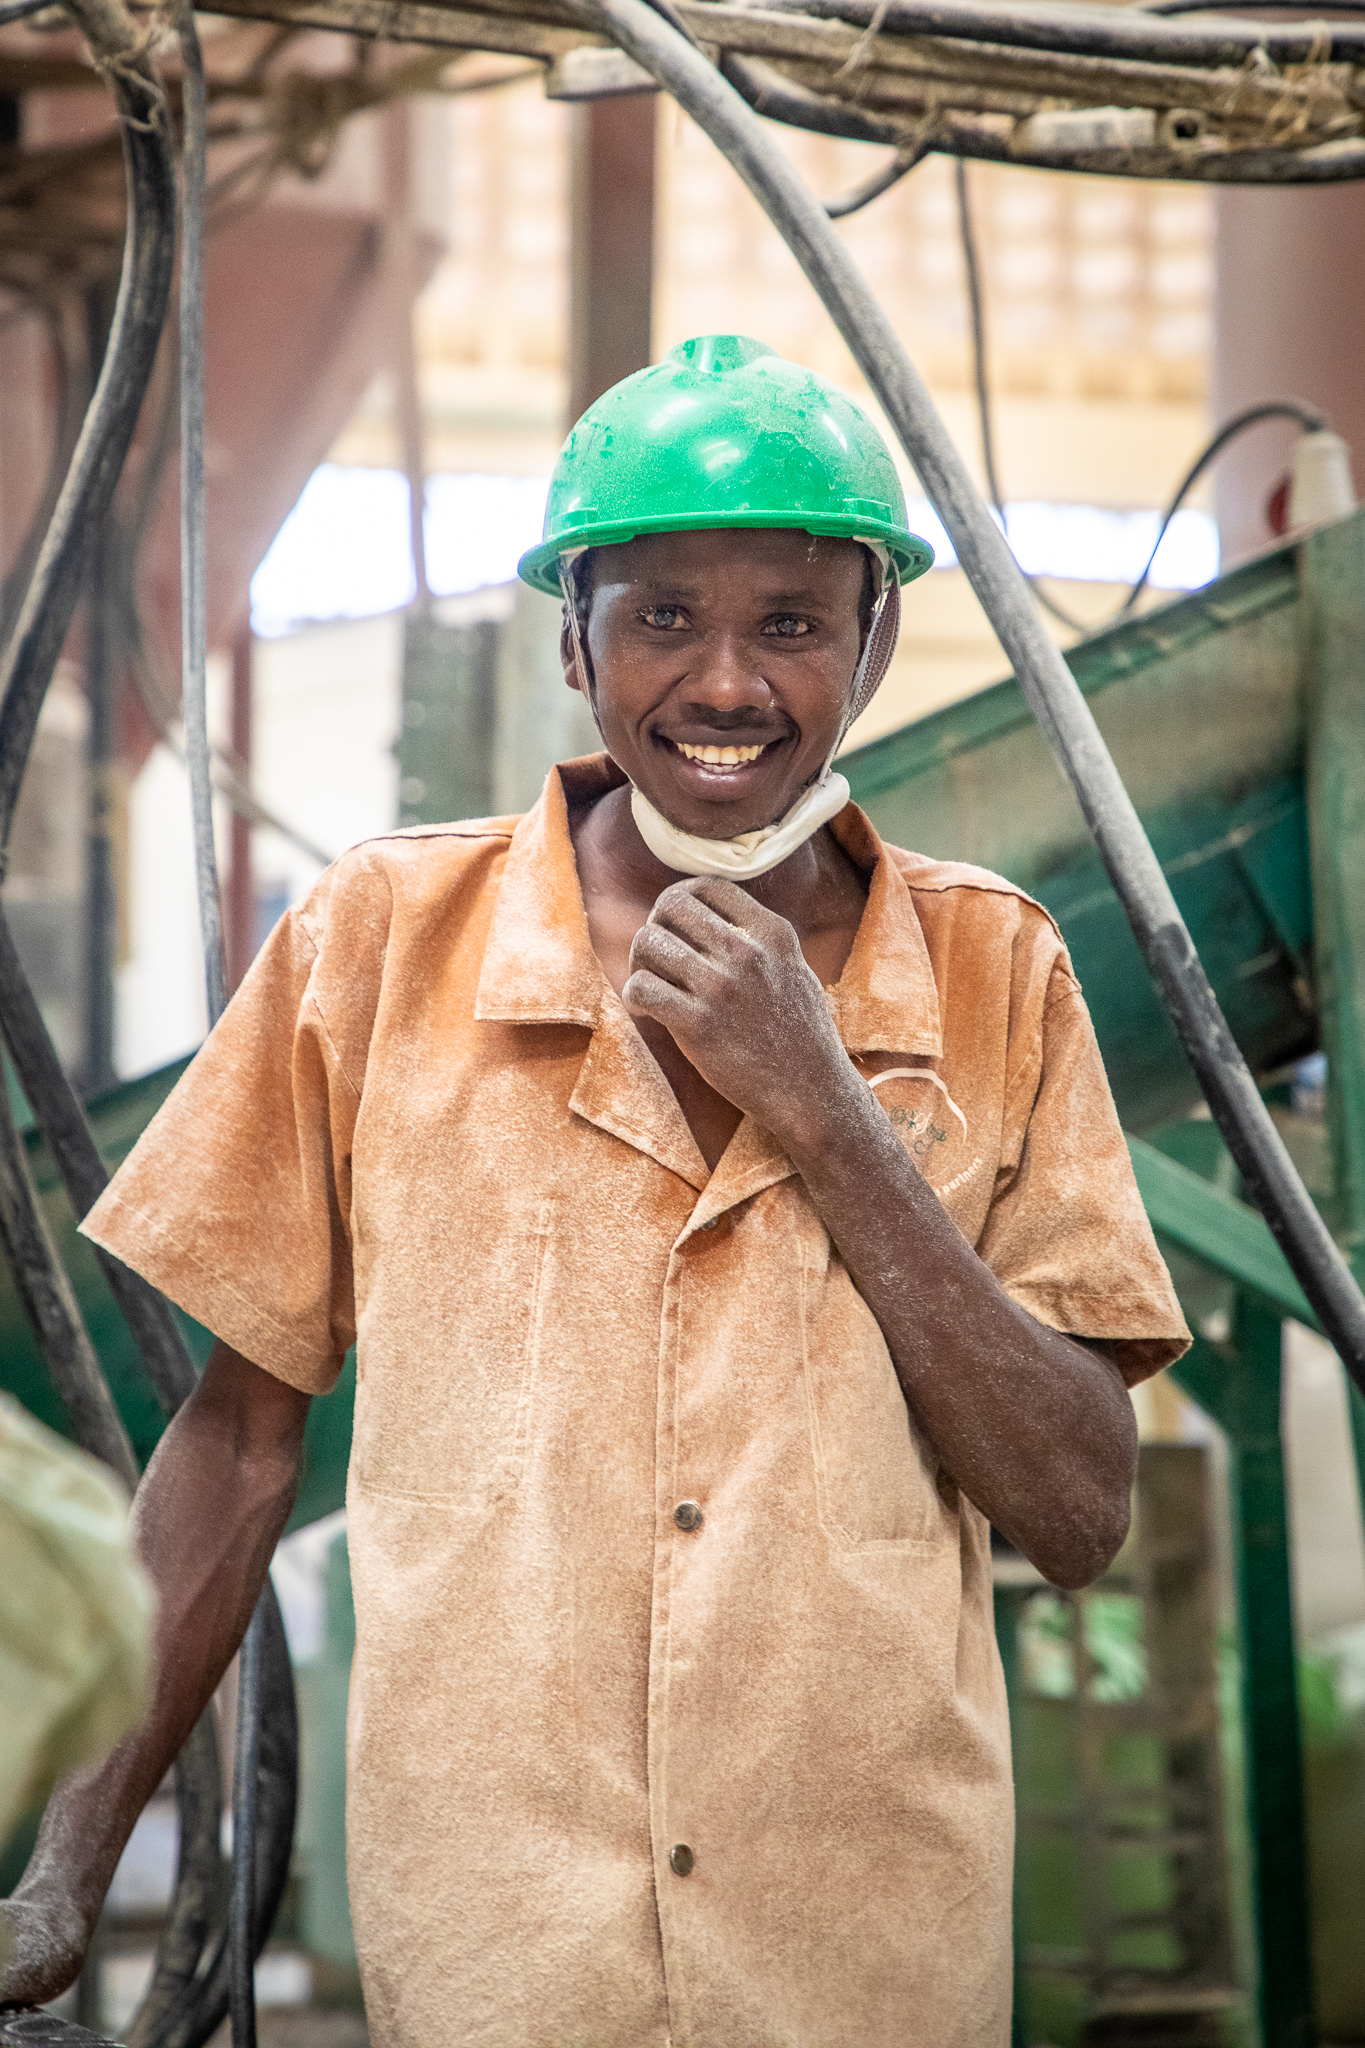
665	618
788	626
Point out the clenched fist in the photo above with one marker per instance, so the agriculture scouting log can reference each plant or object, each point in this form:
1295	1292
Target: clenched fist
726	977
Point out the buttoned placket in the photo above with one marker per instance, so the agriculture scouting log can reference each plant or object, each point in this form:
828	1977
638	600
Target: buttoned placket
539	967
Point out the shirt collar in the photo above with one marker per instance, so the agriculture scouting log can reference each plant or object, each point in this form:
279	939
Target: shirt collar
885	999
539	966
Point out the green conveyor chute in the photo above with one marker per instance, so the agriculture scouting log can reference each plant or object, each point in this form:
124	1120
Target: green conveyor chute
1201	707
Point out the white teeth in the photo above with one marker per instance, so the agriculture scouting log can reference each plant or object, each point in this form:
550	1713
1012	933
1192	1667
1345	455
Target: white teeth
721	757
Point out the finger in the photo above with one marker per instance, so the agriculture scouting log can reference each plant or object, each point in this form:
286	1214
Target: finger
647	995
694	921
667	954
738	908
725	898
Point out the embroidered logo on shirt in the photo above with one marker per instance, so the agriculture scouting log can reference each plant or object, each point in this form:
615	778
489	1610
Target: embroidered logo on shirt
934	1133
928	1132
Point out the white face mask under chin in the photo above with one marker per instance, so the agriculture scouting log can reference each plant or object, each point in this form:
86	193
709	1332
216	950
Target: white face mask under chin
750	854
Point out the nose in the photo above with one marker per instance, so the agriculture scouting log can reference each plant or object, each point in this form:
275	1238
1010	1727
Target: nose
725	681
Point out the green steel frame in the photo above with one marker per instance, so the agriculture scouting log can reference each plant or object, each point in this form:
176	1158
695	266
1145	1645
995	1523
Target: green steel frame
1238	719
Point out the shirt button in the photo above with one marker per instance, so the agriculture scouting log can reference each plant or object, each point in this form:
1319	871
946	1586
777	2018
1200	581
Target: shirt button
688	1516
681	1859
709	1224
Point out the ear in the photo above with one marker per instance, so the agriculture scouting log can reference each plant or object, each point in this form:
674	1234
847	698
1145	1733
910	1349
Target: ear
566	657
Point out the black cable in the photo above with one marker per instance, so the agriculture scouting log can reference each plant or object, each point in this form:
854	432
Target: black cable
1309	418
26	666
198	1782
1048	685
194	655
1076	29
242	1945
51	1307
669	13
91	468
780	99
976	306
197	1893
1313	7
777	98
90	463
241	1952
977	315
203	2002
30	654
900	166
183	2002
766	93
193	538
60	1116
69	340
50	1094
1079	30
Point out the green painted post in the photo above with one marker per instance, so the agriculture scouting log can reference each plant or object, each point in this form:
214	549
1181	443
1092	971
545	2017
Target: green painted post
1333	648
1240	1387
1333	582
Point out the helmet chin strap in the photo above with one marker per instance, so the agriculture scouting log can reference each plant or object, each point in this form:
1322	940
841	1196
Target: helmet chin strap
750	854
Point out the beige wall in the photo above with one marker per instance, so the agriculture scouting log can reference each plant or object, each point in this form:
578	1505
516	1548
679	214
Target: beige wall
1290	300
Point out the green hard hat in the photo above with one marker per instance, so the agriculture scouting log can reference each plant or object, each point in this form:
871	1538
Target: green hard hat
723	432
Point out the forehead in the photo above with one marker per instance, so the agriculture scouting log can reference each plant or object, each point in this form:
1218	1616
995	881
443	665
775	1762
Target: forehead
781	559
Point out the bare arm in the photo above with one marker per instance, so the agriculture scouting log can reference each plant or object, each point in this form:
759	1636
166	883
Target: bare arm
206	1519
1036	1429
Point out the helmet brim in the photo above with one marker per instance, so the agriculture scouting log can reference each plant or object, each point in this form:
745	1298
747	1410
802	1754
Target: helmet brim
539	566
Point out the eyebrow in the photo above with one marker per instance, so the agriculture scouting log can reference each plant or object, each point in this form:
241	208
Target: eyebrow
680	592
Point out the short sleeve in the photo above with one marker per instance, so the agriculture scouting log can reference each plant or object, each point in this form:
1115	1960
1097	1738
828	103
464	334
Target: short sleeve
235	1201
1067	1235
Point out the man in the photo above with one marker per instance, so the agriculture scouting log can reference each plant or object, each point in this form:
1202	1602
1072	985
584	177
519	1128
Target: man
725	1254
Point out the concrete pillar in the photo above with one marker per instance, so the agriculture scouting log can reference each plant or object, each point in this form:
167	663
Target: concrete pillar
408	266
1289	313
611	286
239	896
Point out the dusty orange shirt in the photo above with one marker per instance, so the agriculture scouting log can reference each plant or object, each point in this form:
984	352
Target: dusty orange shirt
427	1122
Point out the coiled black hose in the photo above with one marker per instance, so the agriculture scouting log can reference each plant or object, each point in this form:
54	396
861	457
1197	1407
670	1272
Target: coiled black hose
949	133
1047	683
187	2000
26	665
1142	34
30	655
242	1945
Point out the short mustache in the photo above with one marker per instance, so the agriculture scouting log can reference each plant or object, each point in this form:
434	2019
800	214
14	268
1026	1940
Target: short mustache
730	722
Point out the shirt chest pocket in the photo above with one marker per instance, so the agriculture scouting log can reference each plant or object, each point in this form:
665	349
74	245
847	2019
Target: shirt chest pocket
449	1417
876	1480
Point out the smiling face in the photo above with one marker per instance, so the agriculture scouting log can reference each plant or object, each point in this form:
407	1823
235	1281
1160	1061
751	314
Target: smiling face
722	663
